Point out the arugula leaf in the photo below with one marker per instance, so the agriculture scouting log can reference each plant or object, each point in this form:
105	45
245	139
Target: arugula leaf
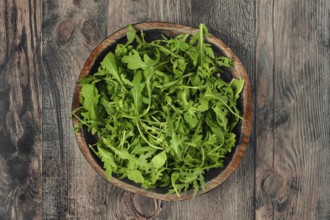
110	65
131	33
135	175
89	98
134	61
191	119
108	161
136	91
203	105
237	86
159	160
224	61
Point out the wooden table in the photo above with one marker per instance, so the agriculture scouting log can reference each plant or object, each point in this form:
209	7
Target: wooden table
284	46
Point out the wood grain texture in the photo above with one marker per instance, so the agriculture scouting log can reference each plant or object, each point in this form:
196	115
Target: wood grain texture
71	189
293	102
266	182
20	110
284	46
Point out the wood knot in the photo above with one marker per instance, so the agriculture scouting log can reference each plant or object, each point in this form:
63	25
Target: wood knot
146	207
7	146
76	2
26	142
64	31
91	32
270	184
18	168
294	185
283	118
282	203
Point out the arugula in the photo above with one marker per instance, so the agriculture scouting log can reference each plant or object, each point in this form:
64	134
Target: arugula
162	115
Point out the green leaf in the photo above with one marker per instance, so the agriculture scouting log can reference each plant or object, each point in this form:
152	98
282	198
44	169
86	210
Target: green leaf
134	61
121	50
196	187
150	62
209	51
225	61
156	176
230	139
209	95
108	106
131	33
109	64
108	162
89	98
136	91
237	86
174	178
122	153
220	111
193	55
159	160
203	105
191	120
183	96
135	175
179	66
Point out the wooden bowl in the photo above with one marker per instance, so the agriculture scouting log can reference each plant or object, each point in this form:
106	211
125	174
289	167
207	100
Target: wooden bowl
154	30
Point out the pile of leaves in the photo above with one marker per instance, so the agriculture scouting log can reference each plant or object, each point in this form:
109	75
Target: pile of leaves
162	114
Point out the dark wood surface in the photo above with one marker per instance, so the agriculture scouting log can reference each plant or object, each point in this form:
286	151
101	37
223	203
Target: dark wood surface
284	46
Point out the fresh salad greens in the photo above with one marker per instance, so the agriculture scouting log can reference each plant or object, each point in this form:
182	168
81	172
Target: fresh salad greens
161	113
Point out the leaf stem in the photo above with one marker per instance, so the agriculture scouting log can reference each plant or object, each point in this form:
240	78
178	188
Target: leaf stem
201	41
144	138
215	97
163	48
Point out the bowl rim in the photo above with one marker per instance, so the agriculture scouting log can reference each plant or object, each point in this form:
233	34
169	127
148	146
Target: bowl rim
245	129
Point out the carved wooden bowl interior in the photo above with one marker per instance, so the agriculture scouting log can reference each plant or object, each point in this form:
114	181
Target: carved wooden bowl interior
154	30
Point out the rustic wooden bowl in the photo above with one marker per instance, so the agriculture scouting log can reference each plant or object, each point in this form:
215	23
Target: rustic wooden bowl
154	30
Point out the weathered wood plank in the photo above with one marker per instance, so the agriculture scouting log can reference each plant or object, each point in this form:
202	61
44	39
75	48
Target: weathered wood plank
266	181
322	110
20	110
294	73
122	13
71	189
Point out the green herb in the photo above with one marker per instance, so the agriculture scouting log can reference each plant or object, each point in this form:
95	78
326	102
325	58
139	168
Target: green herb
161	114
